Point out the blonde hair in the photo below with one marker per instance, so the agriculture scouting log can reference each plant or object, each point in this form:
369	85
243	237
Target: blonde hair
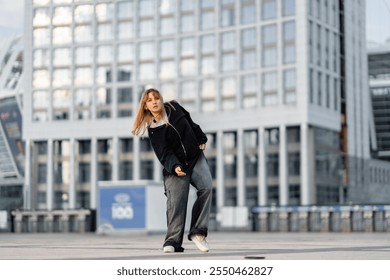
144	117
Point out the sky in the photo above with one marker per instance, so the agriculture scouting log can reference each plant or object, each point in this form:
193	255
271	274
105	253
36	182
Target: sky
377	19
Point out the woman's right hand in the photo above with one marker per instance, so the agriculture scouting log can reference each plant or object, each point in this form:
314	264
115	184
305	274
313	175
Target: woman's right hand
179	172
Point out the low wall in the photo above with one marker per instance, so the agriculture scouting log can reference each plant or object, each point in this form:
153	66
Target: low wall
358	218
53	221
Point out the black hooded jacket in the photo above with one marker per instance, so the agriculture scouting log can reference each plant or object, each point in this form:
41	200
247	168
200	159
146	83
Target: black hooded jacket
177	144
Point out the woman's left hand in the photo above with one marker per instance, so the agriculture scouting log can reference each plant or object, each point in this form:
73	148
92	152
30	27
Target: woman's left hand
202	147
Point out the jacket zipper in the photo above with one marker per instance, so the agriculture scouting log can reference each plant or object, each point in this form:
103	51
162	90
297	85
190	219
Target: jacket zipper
181	142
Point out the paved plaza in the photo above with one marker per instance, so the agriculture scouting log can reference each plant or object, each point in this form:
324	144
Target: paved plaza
224	246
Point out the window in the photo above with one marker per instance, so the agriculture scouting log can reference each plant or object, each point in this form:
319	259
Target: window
248	12
272	162
289	7
269	10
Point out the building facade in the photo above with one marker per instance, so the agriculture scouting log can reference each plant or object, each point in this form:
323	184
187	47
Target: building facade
11	145
279	86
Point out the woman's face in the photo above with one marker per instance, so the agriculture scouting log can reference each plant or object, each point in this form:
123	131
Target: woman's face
154	103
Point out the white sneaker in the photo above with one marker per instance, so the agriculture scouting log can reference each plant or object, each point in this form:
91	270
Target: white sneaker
200	242
169	249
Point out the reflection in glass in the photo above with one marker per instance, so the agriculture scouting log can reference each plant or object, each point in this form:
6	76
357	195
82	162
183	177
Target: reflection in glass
187	23
249	59
167	26
168	90
40	100
103	103
41	58
125	9
188	67
186	5
61	103
83	76
207	65
248	13
228	41
228	87
208	89
105	54
125	30
269	57
83	13
146	7
228	16
125	53
167	69
146	51
83	33
188	91
41	78
103	74
228	62
207	44
62	35
288	7
105	12
167	49
41	37
207	20
41	2
146	71
124	73
41	17
248	38
105	31
61	77
268	9
62	16
83	103
84	55
187	46
61	57
146	28
125	97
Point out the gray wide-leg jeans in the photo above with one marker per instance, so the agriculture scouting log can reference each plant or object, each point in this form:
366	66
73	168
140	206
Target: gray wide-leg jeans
177	190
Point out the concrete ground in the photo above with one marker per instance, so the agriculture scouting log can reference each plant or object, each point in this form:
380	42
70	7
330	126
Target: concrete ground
224	246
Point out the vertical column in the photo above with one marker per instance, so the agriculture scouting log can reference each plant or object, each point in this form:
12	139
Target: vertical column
94	177
115	158
241	169
49	188
156	169
72	179
283	173
136	159
305	193
27	176
220	172
262	181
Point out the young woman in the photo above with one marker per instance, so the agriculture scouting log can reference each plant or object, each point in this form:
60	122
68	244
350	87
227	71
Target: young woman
178	143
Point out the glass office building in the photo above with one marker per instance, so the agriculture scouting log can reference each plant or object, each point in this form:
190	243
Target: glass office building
11	145
278	86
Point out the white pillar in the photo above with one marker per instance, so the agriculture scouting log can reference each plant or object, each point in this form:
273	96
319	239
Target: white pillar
72	179
27	176
115	158
94	177
283	172
241	201
220	172
49	184
305	192
136	159
262	180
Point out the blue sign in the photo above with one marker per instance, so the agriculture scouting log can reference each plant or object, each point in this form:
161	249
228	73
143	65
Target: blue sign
122	207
